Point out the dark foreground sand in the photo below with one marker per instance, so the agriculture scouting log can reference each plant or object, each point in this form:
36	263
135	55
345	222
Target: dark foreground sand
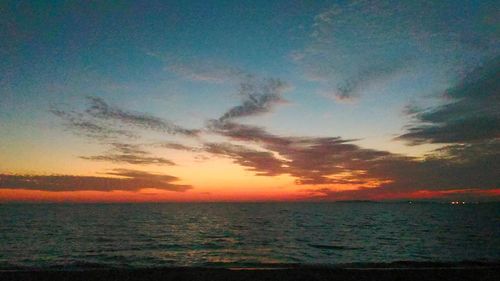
420	273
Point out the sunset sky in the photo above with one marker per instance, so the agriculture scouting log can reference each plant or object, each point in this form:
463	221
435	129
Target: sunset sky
249	100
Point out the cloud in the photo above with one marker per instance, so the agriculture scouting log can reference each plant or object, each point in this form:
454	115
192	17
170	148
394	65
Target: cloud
105	123
467	164
262	162
129	153
243	132
353	86
333	161
351	48
258	97
451	167
100	109
473	115
128	180
469	125
177	146
357	44
82	125
311	160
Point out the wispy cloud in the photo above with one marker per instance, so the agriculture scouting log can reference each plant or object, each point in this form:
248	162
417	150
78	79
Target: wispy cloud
128	180
105	122
100	109
357	44
258	97
80	124
129	153
345	67
113	126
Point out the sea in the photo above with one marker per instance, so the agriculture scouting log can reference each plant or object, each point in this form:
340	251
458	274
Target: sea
244	235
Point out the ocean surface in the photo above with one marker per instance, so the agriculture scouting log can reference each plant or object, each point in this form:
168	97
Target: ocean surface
244	234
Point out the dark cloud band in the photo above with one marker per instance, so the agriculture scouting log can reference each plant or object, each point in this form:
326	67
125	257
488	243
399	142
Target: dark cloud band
127	180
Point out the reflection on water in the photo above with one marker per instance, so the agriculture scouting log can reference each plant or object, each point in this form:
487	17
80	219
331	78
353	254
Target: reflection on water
250	234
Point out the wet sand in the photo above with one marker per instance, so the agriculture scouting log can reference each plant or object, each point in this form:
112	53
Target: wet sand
367	272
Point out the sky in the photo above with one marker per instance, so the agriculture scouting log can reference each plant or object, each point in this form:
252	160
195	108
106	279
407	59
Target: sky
125	101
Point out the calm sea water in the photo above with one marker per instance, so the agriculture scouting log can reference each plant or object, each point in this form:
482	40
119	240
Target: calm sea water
244	235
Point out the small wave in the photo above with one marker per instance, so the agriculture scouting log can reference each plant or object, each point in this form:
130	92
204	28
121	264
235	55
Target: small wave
248	265
387	238
333	247
78	265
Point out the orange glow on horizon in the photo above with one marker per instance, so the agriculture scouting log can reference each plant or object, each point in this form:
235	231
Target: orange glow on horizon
241	195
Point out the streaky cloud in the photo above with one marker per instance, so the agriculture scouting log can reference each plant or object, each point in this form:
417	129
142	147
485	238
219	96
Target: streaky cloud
100	109
128	180
311	160
129	153
177	146
330	161
93	129
263	163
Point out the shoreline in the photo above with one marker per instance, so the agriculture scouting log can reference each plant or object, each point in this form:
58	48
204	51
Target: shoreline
386	271
403	264
199	274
